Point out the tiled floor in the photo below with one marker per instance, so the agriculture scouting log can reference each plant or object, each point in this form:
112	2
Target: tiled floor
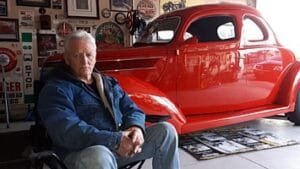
277	158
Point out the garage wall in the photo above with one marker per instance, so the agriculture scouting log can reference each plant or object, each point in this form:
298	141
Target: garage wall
25	43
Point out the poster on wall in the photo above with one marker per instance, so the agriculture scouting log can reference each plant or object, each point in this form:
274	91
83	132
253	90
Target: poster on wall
109	35
26	19
149	9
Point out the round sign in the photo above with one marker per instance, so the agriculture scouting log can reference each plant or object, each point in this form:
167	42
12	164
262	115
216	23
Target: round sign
8	59
63	29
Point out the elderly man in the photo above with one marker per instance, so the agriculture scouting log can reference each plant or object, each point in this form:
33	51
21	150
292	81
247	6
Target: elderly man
92	122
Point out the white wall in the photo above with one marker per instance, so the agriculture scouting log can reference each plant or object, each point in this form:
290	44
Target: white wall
283	16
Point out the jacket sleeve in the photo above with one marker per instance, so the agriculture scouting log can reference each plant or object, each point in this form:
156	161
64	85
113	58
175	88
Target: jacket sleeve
57	112
132	114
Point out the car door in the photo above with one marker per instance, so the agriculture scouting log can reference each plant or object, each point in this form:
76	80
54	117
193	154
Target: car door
263	60
211	76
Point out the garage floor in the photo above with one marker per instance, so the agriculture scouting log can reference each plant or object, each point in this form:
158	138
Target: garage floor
277	158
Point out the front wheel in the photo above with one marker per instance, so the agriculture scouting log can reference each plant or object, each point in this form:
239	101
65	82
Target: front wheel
295	115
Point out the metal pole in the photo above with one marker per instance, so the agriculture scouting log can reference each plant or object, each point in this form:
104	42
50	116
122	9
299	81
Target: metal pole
5	96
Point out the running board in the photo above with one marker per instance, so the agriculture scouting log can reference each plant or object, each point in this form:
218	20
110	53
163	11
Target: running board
213	120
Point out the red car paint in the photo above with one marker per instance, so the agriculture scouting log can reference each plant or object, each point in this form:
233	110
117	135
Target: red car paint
207	77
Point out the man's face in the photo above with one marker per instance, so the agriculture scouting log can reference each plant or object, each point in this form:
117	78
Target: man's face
81	58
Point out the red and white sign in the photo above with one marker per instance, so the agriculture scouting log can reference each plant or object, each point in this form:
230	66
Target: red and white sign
14	89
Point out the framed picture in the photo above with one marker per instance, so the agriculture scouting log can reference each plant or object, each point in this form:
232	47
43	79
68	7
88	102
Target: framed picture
46	44
38	3
3	7
82	9
9	29
121	5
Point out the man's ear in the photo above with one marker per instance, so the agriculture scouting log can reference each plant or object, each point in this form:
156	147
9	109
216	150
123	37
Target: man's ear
67	60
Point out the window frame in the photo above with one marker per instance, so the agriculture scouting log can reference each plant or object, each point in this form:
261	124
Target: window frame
263	26
231	18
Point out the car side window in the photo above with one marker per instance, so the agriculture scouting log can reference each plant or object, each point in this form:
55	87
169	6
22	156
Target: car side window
252	31
212	28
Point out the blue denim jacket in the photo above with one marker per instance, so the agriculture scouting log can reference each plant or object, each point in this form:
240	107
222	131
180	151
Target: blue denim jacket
75	117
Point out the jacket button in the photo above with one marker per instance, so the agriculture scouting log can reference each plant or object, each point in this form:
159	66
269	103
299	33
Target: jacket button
119	124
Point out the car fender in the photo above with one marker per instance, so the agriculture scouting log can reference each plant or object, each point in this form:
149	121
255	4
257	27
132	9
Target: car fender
290	87
152	101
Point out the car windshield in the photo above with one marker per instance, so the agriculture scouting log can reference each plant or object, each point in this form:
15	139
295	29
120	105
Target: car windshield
160	31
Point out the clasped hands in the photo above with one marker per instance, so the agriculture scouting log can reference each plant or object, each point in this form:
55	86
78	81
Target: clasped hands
131	142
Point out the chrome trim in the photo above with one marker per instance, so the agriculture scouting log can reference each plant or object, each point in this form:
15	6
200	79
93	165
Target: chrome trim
118	70
128	59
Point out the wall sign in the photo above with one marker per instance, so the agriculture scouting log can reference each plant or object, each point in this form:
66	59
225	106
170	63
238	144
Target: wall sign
28	69
109	34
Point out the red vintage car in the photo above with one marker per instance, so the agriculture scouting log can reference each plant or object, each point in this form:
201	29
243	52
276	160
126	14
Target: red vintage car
196	66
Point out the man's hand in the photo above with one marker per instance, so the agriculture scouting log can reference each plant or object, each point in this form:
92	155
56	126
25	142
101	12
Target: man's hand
126	145
131	142
137	138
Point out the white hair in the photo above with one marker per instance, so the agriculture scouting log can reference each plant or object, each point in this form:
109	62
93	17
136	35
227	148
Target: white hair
78	35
